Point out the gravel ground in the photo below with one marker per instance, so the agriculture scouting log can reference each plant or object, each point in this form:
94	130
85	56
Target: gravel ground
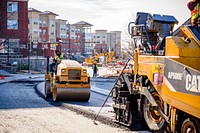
50	120
22	111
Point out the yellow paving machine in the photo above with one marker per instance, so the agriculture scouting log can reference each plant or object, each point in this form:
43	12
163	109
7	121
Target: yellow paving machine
70	82
109	57
164	87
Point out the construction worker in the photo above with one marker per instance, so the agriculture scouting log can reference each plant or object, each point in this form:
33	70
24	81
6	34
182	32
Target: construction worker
95	69
57	59
58	56
194	7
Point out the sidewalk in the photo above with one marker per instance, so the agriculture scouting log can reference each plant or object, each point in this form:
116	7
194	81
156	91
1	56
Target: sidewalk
19	77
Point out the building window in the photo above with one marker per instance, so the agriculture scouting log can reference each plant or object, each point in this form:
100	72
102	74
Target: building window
103	36
40	31
12	24
44	23
35	21
40	22
52	32
98	36
12	7
52	23
104	41
35	31
44	31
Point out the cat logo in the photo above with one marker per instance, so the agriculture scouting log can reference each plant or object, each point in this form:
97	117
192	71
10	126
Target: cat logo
192	83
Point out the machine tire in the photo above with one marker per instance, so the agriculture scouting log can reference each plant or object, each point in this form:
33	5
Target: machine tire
153	119
47	89
189	126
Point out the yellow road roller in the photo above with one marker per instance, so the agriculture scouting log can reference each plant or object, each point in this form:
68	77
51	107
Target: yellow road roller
70	82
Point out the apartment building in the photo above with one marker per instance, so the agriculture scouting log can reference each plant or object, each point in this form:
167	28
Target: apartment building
100	40
104	41
33	31
62	38
46	34
13	26
83	37
42	36
114	42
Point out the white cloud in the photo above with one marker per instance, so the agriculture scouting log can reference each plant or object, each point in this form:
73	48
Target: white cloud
111	14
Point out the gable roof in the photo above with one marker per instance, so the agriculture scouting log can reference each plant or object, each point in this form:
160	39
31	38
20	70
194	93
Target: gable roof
82	24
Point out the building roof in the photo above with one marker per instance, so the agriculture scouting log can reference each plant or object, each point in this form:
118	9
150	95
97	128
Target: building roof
82	24
101	30
61	20
115	31
49	13
33	10
20	0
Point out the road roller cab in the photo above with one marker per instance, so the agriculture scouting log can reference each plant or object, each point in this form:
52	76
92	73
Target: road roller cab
70	82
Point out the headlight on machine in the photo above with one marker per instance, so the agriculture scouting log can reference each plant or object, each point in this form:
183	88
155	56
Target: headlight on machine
63	70
84	71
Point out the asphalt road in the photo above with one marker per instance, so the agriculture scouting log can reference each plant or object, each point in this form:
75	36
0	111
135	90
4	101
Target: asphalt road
29	94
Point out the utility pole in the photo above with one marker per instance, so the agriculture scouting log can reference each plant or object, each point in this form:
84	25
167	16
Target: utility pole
60	43
8	63
29	50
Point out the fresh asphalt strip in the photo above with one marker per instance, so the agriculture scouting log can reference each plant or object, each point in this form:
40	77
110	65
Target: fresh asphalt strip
40	79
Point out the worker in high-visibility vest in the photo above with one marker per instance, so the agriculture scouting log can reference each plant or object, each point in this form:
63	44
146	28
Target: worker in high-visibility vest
58	56
57	59
95	69
194	7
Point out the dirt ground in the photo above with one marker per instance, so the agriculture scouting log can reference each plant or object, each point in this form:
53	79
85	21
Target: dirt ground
50	120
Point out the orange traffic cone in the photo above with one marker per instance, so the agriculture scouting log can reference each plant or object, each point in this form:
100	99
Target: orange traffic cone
2	77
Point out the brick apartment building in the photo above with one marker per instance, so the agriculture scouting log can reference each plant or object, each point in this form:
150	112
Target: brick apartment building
46	34
105	41
114	42
21	26
42	35
100	41
14	26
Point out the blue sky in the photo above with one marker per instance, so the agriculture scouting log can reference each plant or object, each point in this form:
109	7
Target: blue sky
111	15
